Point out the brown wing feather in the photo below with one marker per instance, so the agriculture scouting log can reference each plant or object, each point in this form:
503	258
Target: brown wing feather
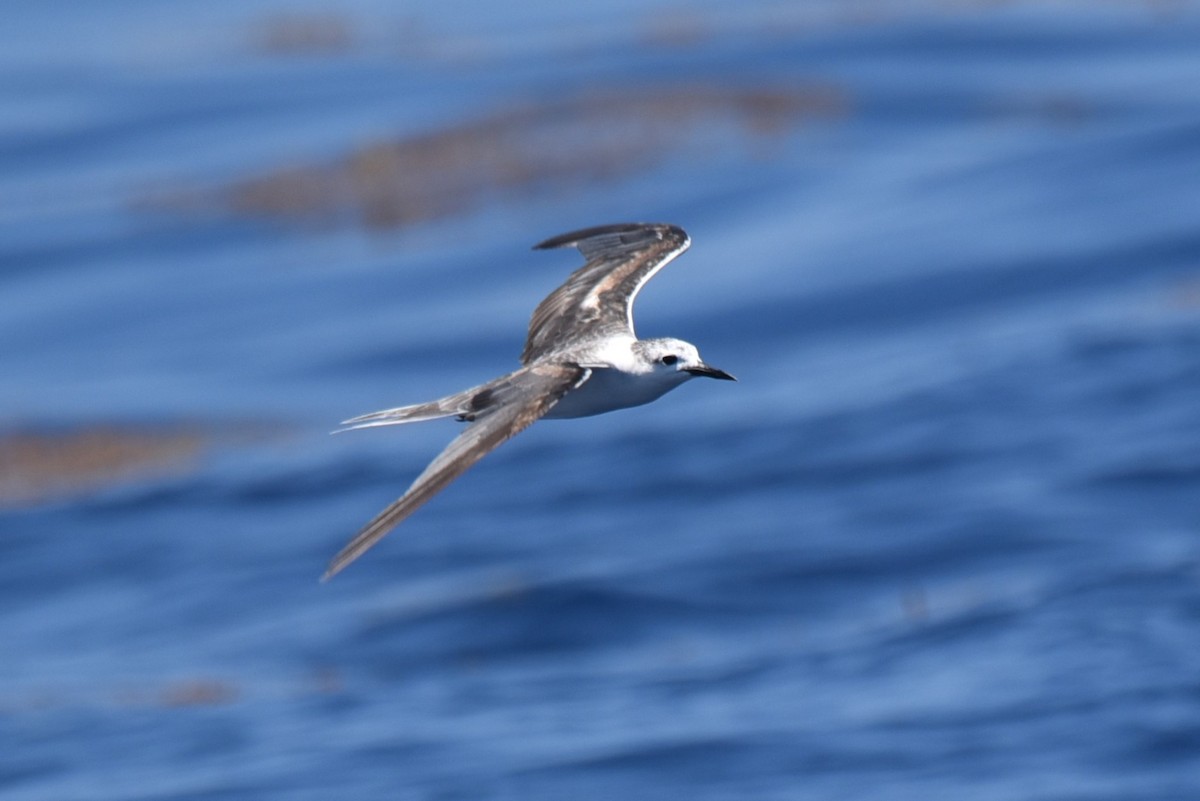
519	399
598	297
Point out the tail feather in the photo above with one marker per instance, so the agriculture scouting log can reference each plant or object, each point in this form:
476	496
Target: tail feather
449	406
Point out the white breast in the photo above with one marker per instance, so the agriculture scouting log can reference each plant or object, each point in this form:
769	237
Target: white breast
609	389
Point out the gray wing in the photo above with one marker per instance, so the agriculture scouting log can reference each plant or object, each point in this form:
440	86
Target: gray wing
513	403
597	299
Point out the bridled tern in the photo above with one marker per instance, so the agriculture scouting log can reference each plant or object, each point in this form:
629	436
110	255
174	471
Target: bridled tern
581	358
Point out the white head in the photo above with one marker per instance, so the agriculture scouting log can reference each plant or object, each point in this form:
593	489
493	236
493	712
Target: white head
676	359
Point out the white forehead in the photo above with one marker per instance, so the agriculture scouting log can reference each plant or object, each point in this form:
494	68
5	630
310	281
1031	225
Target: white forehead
686	351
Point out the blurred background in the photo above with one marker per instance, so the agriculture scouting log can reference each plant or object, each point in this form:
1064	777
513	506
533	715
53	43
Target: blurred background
939	542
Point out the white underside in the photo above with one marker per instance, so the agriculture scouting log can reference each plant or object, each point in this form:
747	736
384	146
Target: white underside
609	389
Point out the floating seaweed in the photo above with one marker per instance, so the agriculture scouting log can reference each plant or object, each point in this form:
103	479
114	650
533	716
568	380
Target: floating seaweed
520	151
39	466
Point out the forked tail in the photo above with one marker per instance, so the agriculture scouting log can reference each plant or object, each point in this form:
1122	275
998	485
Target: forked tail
461	404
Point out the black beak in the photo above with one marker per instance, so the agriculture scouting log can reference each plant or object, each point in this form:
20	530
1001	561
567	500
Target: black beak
710	372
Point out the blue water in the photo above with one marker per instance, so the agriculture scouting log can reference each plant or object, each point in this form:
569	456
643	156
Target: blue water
941	541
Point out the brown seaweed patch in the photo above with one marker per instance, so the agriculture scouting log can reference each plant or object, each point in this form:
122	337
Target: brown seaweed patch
524	150
1186	294
305	34
678	28
38	466
199	692
174	692
1054	109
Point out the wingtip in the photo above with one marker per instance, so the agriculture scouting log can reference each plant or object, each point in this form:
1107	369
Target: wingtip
572	238
336	566
342	559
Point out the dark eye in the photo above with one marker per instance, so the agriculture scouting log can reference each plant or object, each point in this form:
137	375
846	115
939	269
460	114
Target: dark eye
669	359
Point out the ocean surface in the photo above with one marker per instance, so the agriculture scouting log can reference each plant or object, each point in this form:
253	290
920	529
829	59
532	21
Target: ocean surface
940	541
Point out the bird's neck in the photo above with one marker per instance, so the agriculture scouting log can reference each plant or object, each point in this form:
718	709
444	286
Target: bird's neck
618	353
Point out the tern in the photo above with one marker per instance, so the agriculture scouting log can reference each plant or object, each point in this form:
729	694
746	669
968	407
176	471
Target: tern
581	358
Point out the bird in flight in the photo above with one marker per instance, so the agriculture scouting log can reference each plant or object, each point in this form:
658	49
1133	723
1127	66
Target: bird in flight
581	358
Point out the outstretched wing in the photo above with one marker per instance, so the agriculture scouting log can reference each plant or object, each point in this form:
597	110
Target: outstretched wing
512	404
597	299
